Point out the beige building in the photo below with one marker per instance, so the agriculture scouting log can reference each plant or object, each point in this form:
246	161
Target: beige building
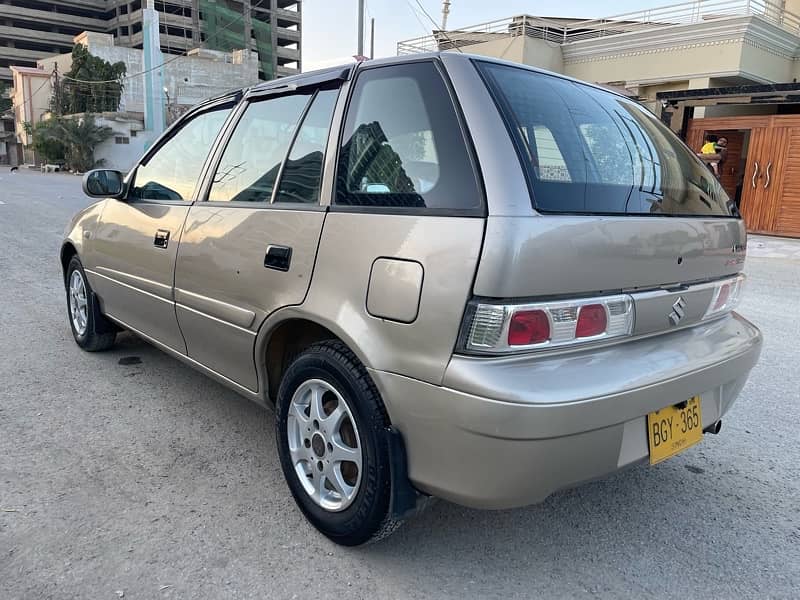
30	97
723	67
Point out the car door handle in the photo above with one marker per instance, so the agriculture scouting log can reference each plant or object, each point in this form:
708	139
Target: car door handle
161	239
278	257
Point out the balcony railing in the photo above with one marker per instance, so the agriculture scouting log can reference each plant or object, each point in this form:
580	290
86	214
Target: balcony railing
564	31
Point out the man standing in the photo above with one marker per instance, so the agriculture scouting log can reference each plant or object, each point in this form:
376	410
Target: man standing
715	160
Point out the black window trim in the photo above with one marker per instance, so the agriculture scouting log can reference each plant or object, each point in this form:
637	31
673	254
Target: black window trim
230	128
479	211
332	77
506	115
172	131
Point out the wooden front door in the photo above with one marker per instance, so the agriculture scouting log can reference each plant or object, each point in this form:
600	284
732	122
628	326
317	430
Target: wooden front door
786	220
758	194
770	178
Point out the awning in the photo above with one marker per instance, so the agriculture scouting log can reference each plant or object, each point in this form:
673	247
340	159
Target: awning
769	93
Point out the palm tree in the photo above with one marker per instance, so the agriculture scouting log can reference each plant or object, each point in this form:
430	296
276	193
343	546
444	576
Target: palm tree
80	135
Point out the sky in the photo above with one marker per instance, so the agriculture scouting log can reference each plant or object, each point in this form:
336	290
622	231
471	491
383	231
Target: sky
330	26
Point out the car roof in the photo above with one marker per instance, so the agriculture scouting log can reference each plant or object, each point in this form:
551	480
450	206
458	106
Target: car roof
345	71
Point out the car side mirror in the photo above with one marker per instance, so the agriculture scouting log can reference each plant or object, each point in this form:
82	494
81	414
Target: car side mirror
103	183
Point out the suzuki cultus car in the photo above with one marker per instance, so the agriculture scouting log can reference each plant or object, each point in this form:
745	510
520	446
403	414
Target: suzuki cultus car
451	276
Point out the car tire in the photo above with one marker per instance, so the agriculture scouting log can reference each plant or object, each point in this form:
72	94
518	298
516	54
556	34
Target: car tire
91	330
356	509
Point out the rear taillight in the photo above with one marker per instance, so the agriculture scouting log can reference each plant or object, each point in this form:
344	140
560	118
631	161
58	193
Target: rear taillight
528	327
501	328
726	296
592	321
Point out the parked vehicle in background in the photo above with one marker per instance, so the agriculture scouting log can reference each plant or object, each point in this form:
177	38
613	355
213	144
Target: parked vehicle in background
451	276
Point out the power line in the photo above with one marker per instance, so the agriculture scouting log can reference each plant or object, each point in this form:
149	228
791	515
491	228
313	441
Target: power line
427	14
436	26
416	16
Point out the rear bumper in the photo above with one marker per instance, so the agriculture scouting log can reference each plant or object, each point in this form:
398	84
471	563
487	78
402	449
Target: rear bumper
508	432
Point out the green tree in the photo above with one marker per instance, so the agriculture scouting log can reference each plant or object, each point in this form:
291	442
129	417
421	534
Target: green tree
46	141
81	136
71	140
75	92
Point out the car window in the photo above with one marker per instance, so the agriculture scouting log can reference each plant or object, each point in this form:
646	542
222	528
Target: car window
172	172
302	172
402	143
602	153
252	159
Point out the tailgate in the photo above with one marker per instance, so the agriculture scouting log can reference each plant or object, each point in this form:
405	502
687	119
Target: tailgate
558	255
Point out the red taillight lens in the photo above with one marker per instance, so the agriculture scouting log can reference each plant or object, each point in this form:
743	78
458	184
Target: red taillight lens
528	327
592	320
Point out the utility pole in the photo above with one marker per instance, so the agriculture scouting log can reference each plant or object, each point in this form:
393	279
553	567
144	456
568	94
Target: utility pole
361	28
372	38
445	12
248	24
56	92
196	23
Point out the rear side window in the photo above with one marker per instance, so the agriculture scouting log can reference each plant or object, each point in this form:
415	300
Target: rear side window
302	171
402	144
586	150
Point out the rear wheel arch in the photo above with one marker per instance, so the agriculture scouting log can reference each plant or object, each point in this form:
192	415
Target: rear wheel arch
288	338
68	250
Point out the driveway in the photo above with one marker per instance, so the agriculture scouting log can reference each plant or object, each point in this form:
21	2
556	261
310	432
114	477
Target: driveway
128	473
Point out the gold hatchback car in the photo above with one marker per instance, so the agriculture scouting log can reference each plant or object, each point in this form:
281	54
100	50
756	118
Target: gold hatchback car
451	276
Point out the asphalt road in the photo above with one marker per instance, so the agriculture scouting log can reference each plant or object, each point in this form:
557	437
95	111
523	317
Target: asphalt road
145	478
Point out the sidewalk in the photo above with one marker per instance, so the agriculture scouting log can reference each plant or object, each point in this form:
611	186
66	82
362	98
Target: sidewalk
761	246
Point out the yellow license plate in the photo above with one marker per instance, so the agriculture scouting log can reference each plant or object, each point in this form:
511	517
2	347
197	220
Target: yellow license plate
673	429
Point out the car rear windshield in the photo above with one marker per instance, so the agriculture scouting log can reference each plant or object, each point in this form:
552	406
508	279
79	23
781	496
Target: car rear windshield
586	150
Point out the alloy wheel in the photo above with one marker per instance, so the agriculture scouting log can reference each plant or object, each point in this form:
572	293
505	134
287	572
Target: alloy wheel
324	445
78	304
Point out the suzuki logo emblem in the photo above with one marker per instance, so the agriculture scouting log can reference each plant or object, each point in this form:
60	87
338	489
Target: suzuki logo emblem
678	311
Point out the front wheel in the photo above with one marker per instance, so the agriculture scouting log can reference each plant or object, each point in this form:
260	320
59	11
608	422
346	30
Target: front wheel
91	330
331	433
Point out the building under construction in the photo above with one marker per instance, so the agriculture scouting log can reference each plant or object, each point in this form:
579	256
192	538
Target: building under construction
34	29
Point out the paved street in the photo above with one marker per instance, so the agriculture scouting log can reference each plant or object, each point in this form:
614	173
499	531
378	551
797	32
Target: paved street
128	472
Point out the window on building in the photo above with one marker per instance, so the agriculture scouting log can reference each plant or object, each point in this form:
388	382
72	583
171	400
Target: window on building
122	139
252	159
402	144
172	172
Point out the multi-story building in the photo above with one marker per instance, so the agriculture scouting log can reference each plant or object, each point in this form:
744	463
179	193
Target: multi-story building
728	68
35	29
